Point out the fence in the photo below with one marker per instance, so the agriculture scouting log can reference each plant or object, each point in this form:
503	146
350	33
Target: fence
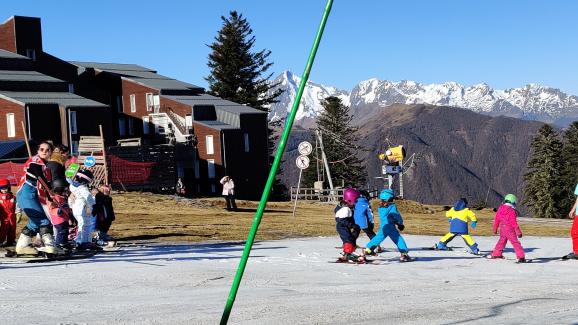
324	195
11	171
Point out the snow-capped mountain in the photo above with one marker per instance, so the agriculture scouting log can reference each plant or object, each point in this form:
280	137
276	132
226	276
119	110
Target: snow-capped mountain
531	102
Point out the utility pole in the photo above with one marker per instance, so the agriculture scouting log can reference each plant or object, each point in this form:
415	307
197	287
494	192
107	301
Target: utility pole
401	179
320	136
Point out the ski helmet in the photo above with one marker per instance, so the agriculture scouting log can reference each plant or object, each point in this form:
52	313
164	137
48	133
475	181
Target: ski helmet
84	176
510	198
461	204
386	195
364	193
350	195
4	183
59	185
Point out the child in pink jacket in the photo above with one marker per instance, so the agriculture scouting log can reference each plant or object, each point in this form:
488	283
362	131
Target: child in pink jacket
506	222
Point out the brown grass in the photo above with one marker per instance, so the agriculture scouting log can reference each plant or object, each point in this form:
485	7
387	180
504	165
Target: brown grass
145	216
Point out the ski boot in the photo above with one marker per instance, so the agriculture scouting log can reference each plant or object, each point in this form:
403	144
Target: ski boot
522	260
474	249
441	247
48	241
370	252
571	256
493	257
405	258
24	244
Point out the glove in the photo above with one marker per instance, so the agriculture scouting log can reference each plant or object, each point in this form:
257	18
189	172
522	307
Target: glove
474	224
400	227
520	235
18	217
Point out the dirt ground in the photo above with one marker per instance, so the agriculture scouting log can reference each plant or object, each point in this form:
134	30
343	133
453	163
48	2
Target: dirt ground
146	216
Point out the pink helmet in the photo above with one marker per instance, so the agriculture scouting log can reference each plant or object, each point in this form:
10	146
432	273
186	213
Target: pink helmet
350	195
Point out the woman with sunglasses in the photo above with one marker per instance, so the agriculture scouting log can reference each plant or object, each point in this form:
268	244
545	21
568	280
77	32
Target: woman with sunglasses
32	197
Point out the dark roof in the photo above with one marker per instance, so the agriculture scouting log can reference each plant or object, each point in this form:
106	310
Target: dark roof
217	125
137	73
9	75
6	147
11	55
59	98
204	99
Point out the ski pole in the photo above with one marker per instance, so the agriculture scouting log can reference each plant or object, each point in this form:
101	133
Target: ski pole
274	168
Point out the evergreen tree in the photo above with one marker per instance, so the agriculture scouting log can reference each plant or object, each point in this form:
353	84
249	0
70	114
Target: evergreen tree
339	145
569	169
240	75
543	192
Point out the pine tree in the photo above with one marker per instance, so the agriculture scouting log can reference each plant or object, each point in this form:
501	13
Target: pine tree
569	170
240	75
543	191
339	145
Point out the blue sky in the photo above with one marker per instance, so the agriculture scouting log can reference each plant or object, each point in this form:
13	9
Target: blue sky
503	43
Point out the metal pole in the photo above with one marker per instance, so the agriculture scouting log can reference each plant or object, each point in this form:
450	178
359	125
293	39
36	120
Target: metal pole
324	157
297	193
401	179
103	155
274	168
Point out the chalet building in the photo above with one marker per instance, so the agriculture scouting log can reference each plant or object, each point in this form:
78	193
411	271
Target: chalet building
212	137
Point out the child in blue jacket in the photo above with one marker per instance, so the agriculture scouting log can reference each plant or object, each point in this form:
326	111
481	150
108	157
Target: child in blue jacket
363	215
389	218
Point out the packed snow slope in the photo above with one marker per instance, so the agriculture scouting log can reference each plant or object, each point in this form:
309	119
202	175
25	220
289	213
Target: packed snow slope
292	282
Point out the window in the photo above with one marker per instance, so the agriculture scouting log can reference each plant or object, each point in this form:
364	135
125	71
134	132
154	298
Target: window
121	127
197	171
149	100
74	149
213	188
131	126
145	124
211	168
133	103
246	138
157	101
209	141
119	104
31	53
71	88
11	125
72	121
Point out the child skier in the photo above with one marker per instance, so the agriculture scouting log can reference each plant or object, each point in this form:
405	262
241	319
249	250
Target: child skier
573	214
104	212
81	201
363	215
346	227
458	217
506	222
8	211
60	216
389	218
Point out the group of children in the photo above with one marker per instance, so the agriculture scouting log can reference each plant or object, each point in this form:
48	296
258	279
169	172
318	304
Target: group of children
354	214
74	211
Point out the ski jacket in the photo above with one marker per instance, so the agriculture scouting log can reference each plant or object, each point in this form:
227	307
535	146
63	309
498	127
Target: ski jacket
81	201
362	213
103	208
506	219
342	212
389	215
228	186
7	206
459	220
56	165
60	211
34	169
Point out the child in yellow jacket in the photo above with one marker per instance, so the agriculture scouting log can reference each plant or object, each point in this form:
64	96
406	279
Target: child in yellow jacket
458	217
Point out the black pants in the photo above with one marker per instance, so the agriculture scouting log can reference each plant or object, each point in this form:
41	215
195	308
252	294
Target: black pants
230	199
61	234
103	225
369	231
347	229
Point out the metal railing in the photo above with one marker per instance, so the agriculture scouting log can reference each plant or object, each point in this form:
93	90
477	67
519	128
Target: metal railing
324	195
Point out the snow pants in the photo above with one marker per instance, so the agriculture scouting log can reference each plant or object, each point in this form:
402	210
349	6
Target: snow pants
369	231
347	229
8	229
85	228
508	234
574	235
28	200
467	238
388	230
61	237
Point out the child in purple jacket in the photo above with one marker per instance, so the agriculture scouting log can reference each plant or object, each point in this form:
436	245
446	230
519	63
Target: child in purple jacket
506	222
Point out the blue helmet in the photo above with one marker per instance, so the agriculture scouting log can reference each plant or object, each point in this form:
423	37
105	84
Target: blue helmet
461	204
386	195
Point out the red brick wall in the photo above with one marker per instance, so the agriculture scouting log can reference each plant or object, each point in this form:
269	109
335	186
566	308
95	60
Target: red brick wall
8	36
140	91
18	110
202	131
179	108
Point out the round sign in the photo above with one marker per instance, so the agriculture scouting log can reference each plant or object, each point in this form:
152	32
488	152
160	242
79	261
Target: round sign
305	148
89	161
302	162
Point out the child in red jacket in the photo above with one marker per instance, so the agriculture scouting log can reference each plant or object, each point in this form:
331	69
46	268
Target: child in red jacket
506	222
8	212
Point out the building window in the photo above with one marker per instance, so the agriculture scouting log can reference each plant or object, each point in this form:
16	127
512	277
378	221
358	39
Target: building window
131	126
119	104
197	170
246	140
31	53
145	124
157	102
72	118
210	148
211	168
149	100
133	103
11	125
74	149
71	88
121	127
213	188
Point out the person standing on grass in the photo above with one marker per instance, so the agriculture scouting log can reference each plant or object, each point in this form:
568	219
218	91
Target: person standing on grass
229	192
573	214
506	222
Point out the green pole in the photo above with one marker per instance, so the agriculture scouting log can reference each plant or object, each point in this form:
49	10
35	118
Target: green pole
274	168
